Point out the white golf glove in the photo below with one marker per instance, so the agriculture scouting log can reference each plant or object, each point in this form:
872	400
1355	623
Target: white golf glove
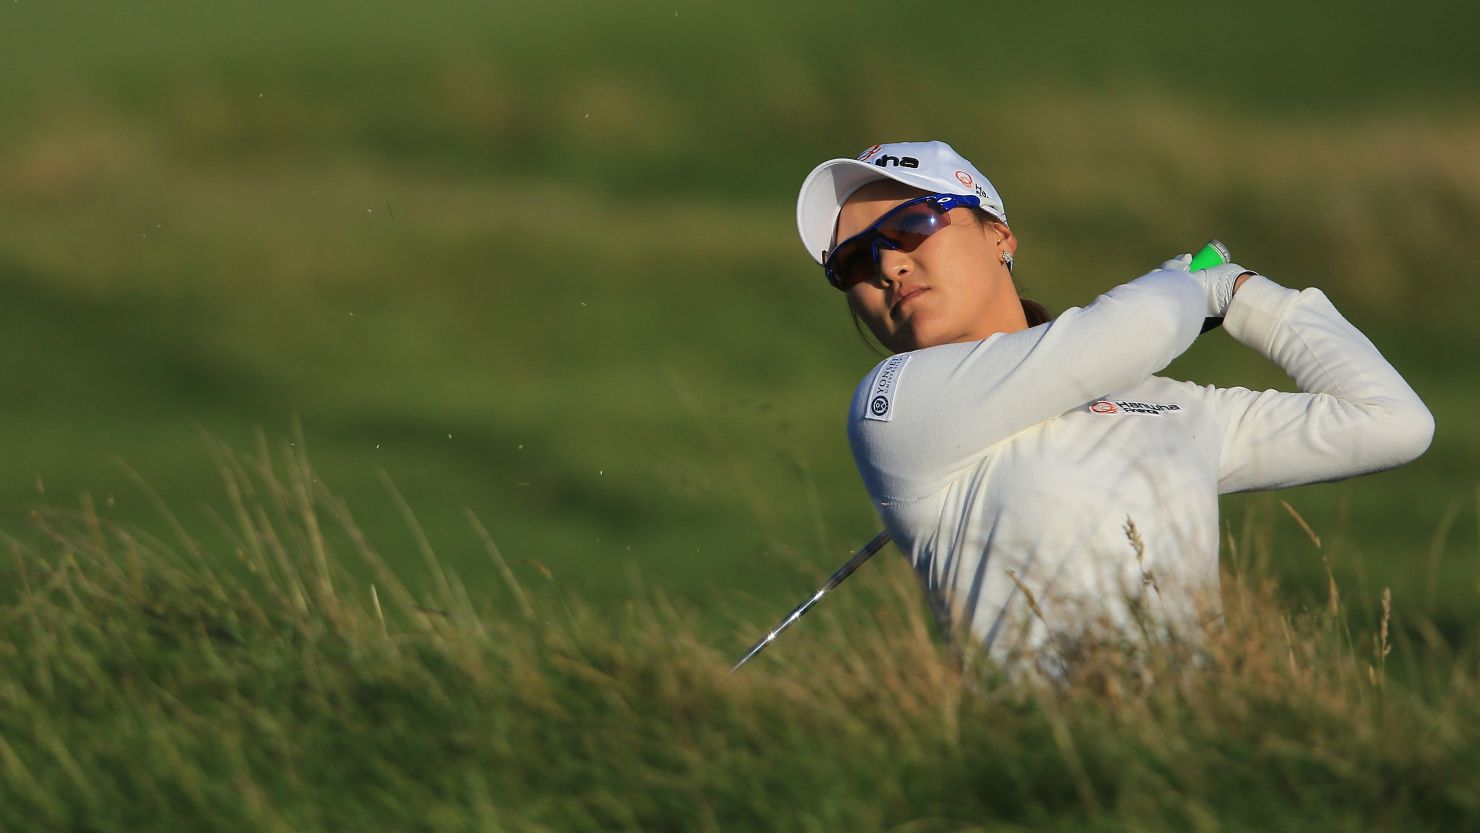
1217	281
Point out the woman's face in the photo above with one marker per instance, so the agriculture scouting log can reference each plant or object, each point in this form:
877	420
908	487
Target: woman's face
954	287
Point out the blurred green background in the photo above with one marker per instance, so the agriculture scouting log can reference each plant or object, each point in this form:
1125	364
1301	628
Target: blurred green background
540	260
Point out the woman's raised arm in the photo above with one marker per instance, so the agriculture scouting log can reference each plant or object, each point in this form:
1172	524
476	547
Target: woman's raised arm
923	416
1355	414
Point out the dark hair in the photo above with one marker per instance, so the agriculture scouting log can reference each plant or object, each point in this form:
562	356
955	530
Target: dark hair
1036	312
872	345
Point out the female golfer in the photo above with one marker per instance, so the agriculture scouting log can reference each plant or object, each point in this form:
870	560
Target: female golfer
1045	484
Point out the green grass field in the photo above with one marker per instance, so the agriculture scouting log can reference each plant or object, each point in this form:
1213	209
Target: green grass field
539	265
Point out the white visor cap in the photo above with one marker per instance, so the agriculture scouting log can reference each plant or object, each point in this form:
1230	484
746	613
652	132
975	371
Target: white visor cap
932	166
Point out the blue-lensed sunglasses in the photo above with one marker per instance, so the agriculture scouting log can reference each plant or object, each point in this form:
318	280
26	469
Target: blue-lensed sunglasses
903	228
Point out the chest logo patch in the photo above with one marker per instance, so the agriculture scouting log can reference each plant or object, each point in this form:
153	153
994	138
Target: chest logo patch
1105	406
885	385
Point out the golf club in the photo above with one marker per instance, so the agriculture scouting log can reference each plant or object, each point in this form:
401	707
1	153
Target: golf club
843	572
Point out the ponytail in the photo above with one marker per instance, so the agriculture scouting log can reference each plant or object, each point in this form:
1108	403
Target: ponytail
1035	312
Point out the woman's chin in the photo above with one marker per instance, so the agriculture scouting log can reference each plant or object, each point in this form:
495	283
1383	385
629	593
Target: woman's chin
913	341
915	325
918	332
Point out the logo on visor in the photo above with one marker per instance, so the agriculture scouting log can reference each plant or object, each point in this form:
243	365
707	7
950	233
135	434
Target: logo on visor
902	161
863	157
965	178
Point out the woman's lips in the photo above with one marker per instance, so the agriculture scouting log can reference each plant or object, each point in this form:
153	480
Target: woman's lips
905	296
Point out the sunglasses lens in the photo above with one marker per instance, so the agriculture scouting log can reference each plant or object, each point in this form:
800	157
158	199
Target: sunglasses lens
852	262
905	229
909	228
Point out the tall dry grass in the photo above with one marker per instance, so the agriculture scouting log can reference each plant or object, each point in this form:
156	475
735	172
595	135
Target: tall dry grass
298	683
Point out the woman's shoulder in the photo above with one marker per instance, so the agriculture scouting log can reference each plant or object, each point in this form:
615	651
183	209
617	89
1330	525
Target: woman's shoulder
1180	391
940	356
874	396
1168	386
884	376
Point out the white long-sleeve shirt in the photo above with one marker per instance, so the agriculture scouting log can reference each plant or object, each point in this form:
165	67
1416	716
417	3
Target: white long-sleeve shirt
1009	469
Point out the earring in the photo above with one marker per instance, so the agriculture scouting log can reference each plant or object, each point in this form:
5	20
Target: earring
1007	261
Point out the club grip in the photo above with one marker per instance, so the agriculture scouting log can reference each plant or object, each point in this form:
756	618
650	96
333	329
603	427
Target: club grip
1212	253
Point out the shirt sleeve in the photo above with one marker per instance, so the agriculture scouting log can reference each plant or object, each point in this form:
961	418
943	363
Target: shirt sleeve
953	402
1355	413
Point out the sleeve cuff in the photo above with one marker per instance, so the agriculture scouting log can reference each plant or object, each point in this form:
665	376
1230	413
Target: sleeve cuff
1257	310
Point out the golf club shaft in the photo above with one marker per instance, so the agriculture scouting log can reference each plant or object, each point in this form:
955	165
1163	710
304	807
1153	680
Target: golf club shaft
1211	254
843	572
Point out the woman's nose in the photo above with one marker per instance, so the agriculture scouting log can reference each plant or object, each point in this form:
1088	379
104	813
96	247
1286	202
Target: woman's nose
894	264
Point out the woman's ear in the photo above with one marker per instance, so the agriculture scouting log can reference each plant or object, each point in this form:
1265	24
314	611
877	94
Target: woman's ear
1006	240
